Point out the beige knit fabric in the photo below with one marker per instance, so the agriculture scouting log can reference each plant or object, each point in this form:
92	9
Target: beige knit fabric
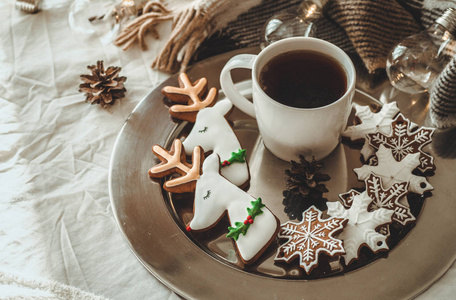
373	27
193	21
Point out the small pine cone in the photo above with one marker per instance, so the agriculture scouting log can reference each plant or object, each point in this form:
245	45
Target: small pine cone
305	176
304	187
103	87
295	204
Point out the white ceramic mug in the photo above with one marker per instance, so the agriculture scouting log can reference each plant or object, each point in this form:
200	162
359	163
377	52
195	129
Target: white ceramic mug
288	131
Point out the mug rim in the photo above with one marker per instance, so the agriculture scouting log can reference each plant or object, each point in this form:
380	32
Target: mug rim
350	85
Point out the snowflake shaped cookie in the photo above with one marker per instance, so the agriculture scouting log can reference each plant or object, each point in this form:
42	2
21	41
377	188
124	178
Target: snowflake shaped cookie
309	238
360	229
370	123
392	171
389	198
347	199
402	141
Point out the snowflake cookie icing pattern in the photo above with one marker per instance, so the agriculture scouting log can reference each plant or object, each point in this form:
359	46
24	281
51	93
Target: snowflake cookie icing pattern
347	199
309	238
370	123
403	141
392	171
389	199
360	229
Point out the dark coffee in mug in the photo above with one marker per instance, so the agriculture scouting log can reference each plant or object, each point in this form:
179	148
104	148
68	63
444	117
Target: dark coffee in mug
303	79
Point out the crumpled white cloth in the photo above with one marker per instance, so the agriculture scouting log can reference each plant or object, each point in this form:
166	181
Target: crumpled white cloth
56	222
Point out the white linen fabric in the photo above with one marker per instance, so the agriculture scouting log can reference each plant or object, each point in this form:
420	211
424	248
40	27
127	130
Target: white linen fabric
58	236
56	221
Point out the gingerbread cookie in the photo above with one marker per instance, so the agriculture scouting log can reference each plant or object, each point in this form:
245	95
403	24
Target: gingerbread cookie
392	171
173	162
253	226
309	238
369	123
211	130
347	199
403	141
190	97
213	133
389	198
360	229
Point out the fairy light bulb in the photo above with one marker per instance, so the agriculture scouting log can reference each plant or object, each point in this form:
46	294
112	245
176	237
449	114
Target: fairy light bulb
289	23
414	64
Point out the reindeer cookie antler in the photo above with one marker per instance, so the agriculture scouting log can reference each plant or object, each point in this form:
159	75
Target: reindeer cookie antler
174	161
190	96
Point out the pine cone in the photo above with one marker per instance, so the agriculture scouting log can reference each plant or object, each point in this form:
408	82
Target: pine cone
103	87
304	187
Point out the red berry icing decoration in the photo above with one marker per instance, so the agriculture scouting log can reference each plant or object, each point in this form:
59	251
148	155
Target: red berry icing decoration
189	228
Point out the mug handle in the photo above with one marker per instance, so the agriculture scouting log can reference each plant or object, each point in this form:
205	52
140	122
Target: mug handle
244	61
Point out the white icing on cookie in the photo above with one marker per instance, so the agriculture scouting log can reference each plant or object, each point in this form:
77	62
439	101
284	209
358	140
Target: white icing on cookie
310	237
370	123
360	229
392	171
404	141
213	133
389	198
214	195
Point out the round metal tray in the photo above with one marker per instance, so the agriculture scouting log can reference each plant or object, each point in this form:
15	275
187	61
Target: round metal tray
152	220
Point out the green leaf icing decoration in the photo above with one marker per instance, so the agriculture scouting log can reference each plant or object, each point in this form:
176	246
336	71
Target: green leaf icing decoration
241	228
236	231
257	205
238	156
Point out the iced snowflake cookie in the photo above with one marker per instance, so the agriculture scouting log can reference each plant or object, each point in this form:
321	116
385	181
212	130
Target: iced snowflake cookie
360	229
346	199
370	123
389	199
252	225
403	141
309	238
211	130
190	97
392	171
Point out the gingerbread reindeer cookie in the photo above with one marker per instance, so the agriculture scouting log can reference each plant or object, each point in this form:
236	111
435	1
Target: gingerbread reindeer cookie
174	162
190	98
211	130
252	225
